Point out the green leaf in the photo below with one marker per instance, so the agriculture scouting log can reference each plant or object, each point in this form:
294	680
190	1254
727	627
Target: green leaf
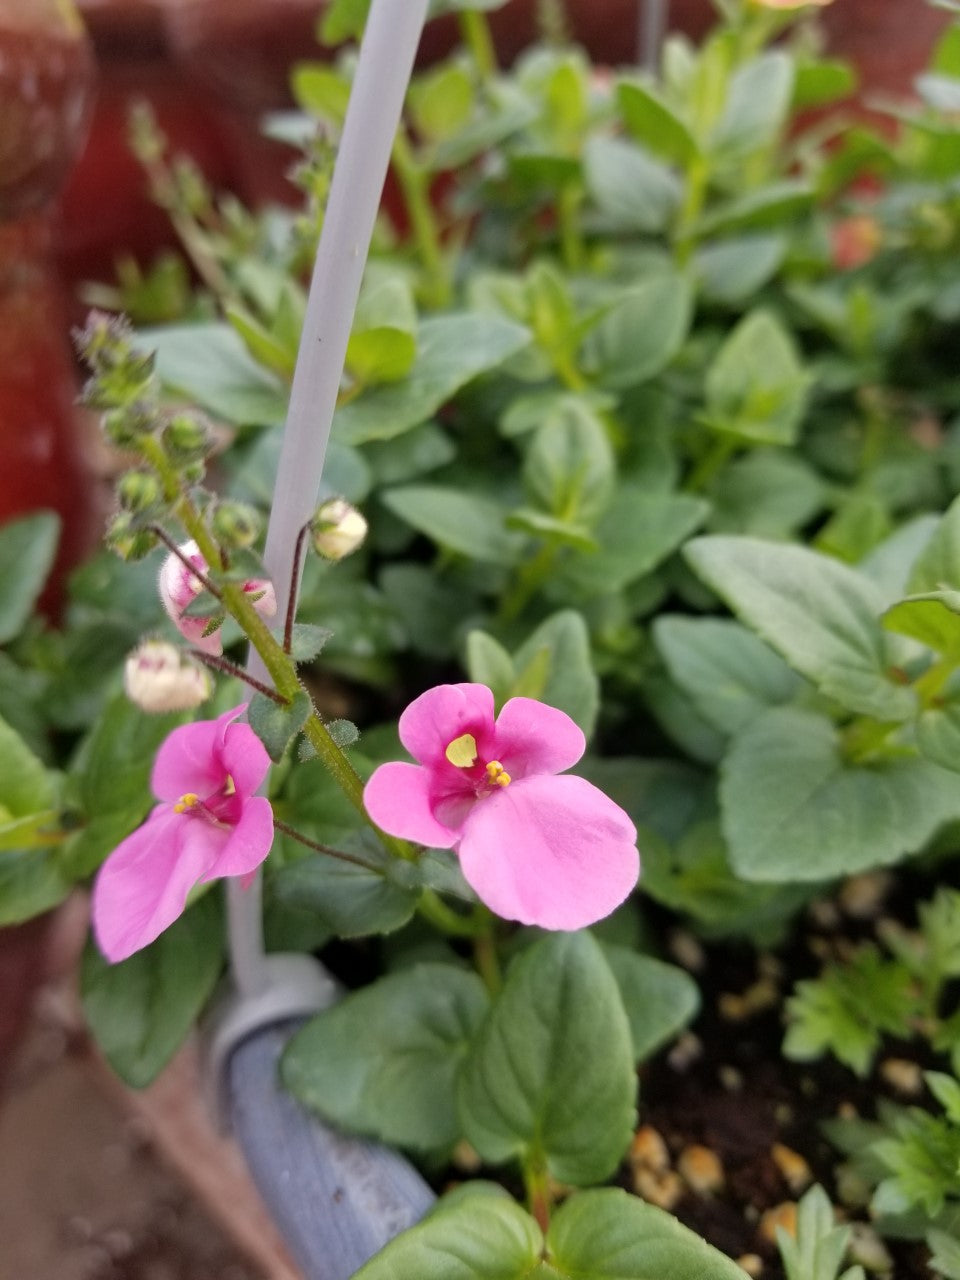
307	641
321	90
635	191
476	1233
938	734
559	650
927	619
758	101
815	1251
466	522
275	724
31	882
25	785
383	339
142	1009
770	206
351	901
819	614
534	1086
729	675
945	1248
696	879
846	1010
209	364
654	123
114	767
768	493
441	101
451	351
659	998
794	809
27	548
938	564
383	1062
756	386
641	332
821	81
569	468
489	663
606	1234
636	533
731	271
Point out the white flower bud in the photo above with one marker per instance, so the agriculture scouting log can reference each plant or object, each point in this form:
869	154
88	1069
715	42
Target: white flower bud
158	677
337	529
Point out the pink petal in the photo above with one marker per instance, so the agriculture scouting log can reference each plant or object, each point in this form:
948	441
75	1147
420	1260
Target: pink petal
398	799
248	843
437	717
245	758
535	738
554	852
191	759
266	604
143	885
193	629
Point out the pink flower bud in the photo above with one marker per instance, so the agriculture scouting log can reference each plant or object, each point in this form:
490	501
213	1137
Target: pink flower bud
179	588
158	677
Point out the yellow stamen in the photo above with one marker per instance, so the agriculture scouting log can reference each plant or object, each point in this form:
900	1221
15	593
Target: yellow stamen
462	751
229	787
497	774
188	801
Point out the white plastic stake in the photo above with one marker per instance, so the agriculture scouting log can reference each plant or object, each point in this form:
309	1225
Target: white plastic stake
383	71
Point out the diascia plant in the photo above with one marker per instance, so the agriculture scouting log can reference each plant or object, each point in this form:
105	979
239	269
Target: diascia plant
638	501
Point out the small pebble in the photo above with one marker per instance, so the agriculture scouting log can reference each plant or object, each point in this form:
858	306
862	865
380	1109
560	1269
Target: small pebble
862	896
903	1075
648	1149
685	1052
701	1169
730	1078
465	1159
795	1171
752	1264
868	1249
687	950
824	913
852	1190
662	1189
781	1215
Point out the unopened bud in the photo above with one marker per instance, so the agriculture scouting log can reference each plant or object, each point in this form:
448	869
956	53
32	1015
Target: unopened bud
337	529
179	586
123	427
158	677
185	438
236	525
139	491
129	542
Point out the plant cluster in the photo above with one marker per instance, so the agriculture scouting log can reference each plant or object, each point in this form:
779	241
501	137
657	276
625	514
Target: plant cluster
650	409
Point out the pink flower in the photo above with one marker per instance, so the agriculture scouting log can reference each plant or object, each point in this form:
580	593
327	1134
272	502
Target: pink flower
209	824
179	588
541	849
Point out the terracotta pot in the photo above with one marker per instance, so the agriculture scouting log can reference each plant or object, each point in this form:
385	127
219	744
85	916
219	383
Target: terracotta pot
46	76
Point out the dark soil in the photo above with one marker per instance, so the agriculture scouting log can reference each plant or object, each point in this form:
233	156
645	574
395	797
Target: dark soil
739	1097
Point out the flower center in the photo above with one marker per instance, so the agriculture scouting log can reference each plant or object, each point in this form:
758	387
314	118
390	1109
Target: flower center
462	754
213	808
186	802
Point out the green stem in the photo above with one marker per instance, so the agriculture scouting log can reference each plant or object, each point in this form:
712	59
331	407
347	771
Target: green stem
433	908
415	188
531	577
280	666
487	961
684	238
536	1180
475	33
720	450
569	200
